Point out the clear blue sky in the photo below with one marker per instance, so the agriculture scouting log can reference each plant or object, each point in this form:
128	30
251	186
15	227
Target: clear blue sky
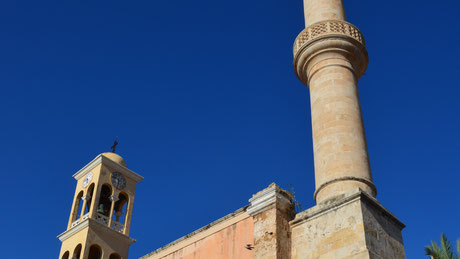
206	106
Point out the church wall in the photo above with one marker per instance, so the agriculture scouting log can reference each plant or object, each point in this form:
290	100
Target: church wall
224	239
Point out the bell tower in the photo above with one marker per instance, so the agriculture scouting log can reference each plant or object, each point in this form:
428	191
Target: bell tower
102	206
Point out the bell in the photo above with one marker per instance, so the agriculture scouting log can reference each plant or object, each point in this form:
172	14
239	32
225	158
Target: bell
100	208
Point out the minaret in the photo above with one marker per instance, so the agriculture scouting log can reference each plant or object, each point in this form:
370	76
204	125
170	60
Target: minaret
330	57
348	222
100	218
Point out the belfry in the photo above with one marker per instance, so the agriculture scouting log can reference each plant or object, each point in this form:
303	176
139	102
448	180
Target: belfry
101	212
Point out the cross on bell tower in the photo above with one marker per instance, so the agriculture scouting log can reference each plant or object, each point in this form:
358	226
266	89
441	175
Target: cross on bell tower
100	217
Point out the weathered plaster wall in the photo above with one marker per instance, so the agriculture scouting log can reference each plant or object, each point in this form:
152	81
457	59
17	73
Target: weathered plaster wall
272	209
354	226
225	239
333	234
383	235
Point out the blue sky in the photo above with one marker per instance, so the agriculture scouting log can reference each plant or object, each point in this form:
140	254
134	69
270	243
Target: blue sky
206	106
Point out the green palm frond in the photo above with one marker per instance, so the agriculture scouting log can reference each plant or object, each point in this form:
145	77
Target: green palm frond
443	251
434	250
458	247
446	248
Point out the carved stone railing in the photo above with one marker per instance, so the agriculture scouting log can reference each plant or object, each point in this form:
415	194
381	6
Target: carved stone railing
78	221
75	223
324	28
85	216
102	219
117	226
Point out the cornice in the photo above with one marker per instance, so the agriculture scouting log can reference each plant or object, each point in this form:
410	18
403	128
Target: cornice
350	197
94	225
100	159
70	232
267	198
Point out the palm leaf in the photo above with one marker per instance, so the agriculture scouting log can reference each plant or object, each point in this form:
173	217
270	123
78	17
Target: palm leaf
434	250
458	248
446	248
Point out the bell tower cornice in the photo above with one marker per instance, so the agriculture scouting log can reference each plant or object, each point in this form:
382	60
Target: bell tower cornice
110	163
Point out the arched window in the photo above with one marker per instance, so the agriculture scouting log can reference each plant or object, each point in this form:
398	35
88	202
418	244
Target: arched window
65	255
89	193
104	204
77	252
95	252
119	210
77	207
115	256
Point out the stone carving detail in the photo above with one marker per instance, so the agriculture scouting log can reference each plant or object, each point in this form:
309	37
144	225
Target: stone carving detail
327	28
117	226
78	221
102	219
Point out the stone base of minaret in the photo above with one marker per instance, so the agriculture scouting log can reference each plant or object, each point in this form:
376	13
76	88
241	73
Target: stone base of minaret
354	225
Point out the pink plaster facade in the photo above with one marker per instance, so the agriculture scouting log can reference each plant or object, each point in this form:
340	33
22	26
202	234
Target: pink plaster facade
227	242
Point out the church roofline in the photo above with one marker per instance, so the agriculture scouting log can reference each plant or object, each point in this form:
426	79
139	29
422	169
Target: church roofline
189	237
102	159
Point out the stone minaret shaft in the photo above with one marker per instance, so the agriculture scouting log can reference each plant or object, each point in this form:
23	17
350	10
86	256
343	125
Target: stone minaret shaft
330	56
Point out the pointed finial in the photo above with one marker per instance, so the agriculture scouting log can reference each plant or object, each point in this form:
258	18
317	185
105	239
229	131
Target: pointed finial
115	143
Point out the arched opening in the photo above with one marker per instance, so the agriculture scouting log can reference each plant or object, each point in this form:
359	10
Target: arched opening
119	210
115	256
77	252
95	252
89	193
103	206
78	204
65	255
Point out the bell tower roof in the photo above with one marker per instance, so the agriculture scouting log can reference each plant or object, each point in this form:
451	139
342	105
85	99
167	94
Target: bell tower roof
115	158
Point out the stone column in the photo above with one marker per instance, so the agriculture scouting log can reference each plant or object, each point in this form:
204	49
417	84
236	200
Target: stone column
316	11
113	198
272	209
85	199
330	56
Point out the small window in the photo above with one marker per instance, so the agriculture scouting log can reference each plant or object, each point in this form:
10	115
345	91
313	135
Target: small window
65	255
